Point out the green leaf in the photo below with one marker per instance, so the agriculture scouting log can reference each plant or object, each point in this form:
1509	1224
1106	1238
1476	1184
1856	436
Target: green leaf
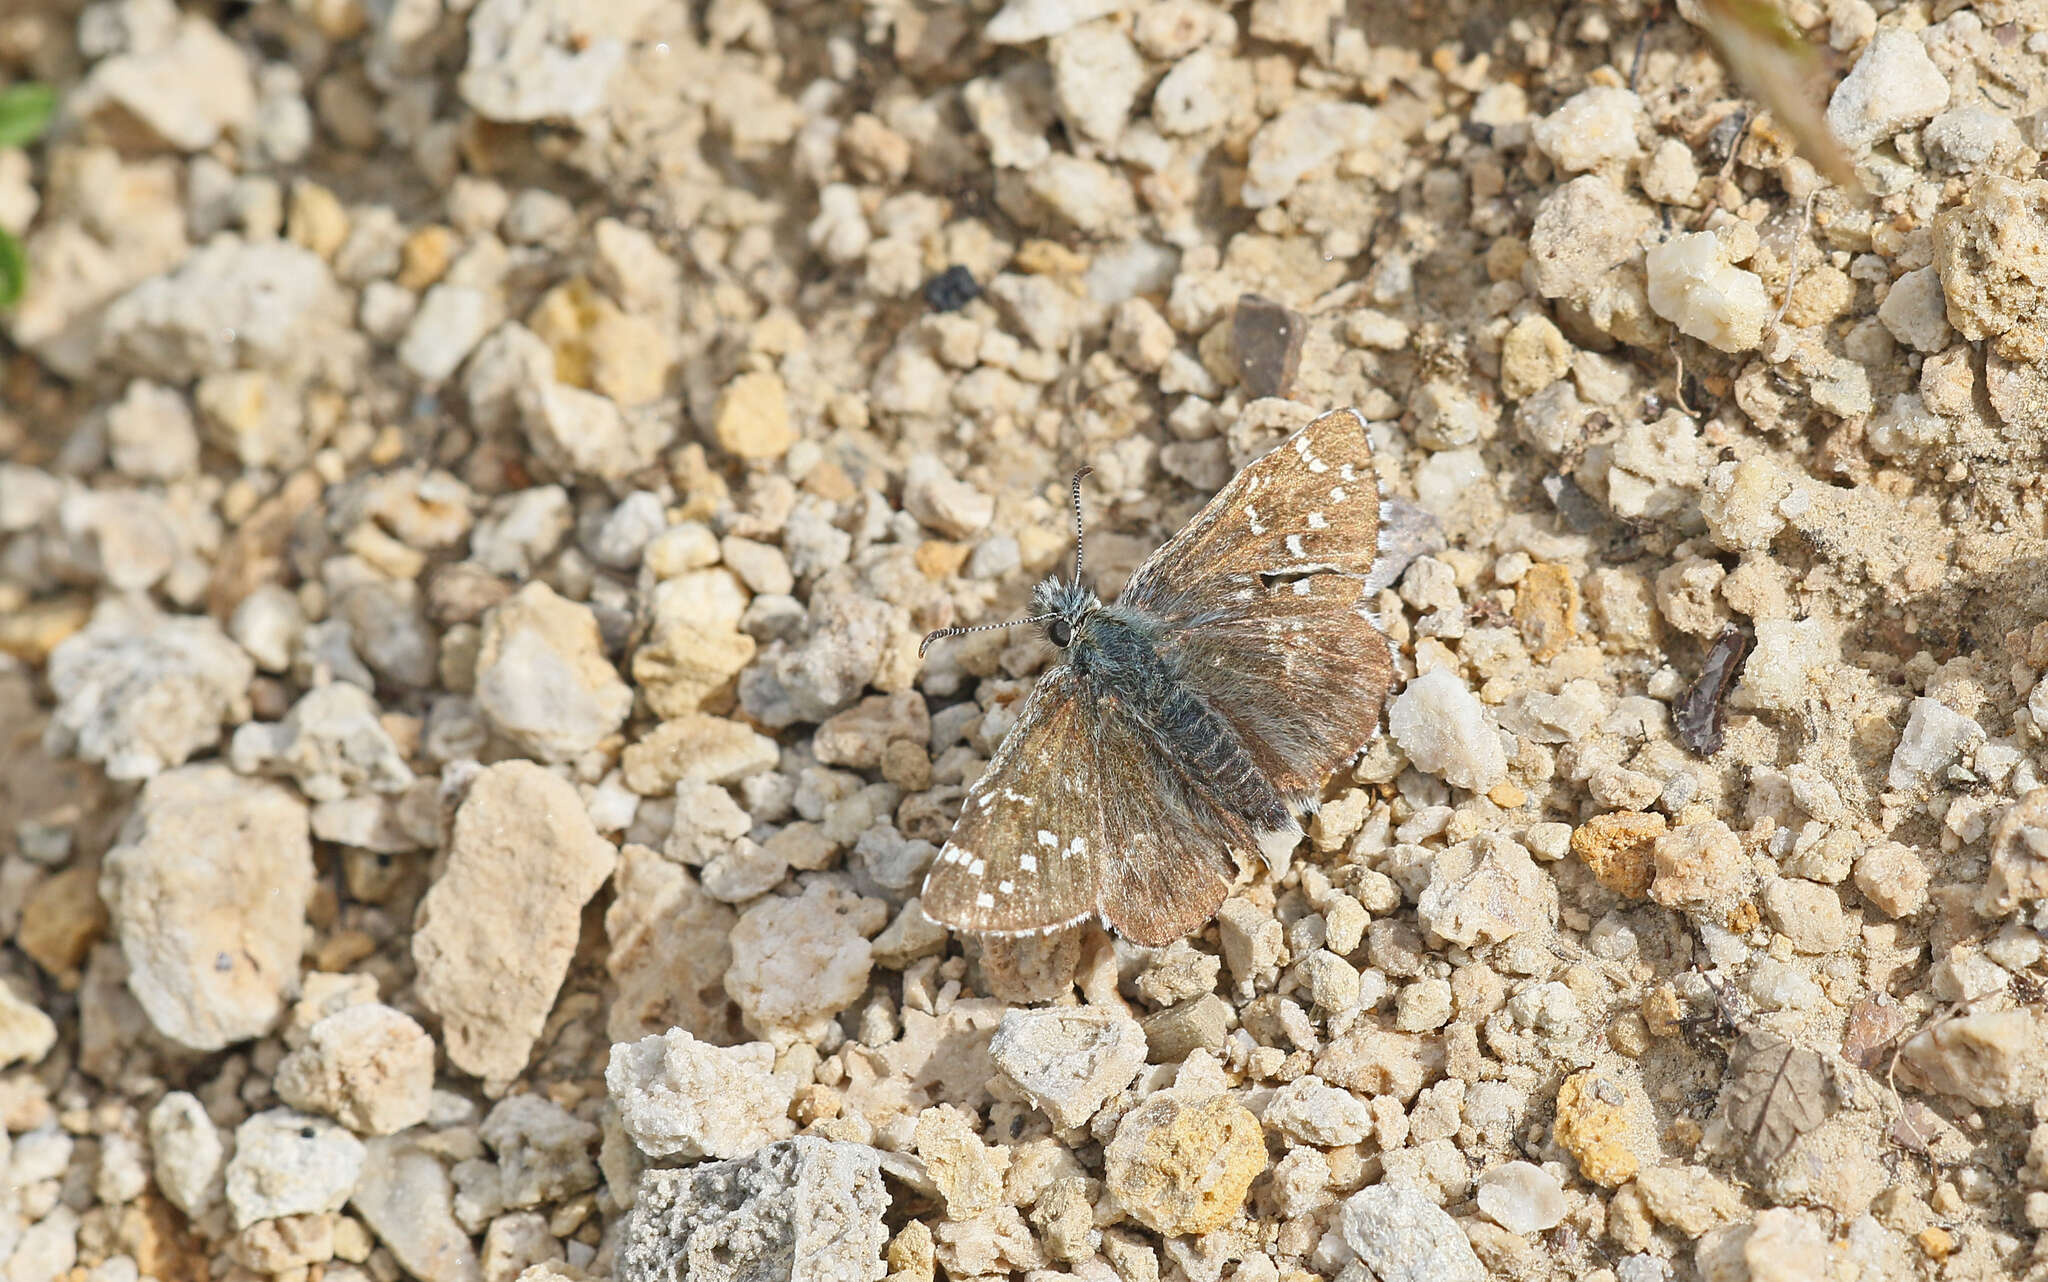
25	111
13	269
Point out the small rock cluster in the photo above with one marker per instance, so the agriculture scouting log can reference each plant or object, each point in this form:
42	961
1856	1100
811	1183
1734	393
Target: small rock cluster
473	479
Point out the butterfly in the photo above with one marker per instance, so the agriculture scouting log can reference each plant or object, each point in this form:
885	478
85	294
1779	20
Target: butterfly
1192	722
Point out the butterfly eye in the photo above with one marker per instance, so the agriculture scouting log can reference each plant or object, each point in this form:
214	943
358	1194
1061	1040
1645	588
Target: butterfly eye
1061	632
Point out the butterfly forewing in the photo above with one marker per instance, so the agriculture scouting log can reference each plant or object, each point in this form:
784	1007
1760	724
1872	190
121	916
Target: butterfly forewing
1264	592
1023	857
1312	504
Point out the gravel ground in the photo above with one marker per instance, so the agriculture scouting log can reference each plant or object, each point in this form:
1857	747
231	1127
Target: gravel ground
477	471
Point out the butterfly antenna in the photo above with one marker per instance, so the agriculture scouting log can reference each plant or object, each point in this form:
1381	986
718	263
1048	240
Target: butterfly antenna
1076	490
944	633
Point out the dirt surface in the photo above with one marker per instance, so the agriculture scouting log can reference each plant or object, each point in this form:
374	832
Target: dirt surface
476	473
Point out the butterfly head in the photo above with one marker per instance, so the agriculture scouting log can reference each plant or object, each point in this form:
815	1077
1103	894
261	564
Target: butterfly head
1060	605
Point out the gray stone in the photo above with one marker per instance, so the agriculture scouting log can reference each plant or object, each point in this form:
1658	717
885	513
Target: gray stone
207	893
545	1152
806	1210
331	743
140	692
846	638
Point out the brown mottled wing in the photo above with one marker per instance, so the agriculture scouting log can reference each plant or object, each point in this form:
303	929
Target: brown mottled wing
1264	589
1024	856
1312	503
1168	858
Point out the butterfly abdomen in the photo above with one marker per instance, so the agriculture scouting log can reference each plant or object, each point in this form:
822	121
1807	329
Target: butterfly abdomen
1122	660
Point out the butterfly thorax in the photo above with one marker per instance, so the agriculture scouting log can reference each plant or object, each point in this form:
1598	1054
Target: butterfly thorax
1121	658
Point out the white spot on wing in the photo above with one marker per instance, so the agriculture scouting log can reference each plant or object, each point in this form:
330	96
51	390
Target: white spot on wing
1047	839
976	868
1251	515
1005	887
1316	521
984	900
1294	547
1301	587
1027	863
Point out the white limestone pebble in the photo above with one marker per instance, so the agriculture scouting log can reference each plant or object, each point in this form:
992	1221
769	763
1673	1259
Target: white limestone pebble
494	934
141	692
1694	286
1402	1236
234	305
1521	1197
1779	674
290	1163
1742	503
544	59
331	743
1934	738
682	1098
1298	140
1068	1060
1446	731
1484	891
845	638
1309	1110
369	1067
1023	21
542	677
450	322
798	962
943	502
1593	127
187	1152
26	1033
207	893
1096	77
404	1195
1892	87
1915	311
1990	1058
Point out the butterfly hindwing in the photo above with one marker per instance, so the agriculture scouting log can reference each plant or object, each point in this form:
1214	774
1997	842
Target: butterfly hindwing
1024	855
1298	670
1264	597
1168	860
